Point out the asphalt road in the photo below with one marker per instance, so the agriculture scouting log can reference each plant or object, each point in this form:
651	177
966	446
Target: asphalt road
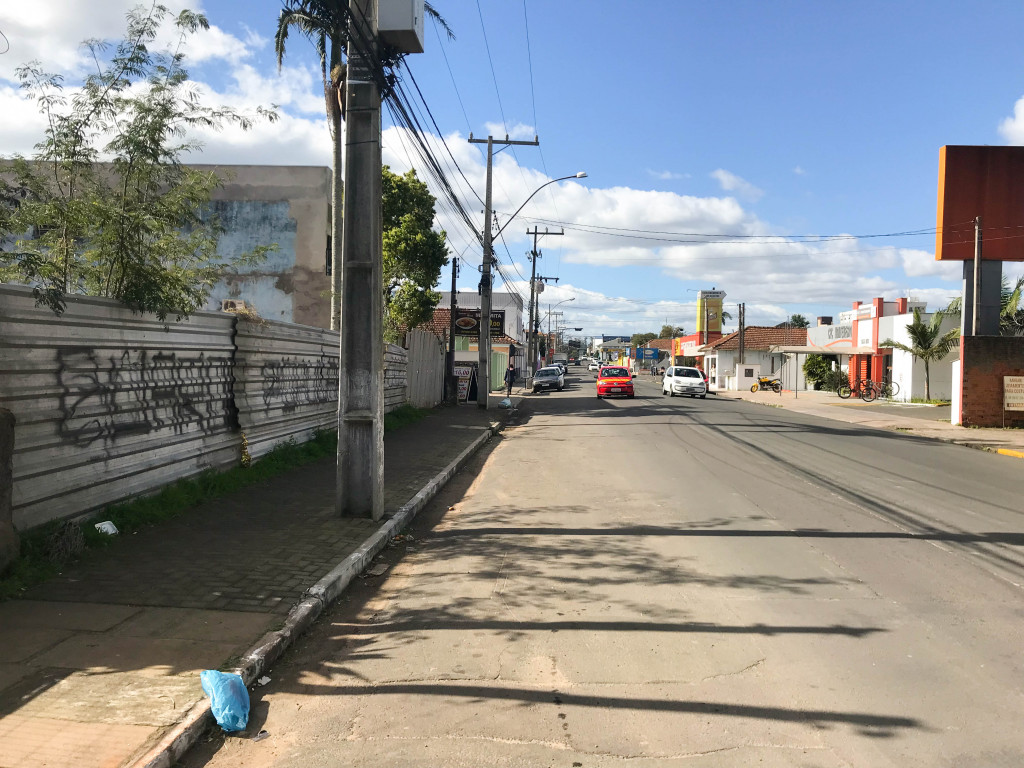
676	582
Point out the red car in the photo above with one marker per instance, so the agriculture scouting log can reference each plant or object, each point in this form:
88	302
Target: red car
613	381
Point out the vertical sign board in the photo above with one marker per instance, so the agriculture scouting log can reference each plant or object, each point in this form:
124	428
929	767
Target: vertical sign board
463	373
1013	393
709	308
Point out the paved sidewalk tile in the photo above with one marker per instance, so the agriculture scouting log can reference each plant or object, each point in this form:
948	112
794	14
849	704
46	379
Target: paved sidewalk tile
102	658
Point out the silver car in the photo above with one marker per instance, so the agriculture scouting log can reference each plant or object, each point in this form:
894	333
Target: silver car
549	377
683	380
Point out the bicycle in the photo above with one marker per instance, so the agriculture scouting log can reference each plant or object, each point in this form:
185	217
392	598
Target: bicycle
863	389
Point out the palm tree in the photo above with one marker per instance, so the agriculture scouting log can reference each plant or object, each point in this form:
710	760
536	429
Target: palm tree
326	24
927	342
1011	307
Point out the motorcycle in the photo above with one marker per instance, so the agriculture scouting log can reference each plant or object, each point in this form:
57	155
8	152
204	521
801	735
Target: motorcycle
767	382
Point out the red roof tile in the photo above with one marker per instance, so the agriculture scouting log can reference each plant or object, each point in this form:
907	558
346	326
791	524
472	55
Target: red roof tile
761	337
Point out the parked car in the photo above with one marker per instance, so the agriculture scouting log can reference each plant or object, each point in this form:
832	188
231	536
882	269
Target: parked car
549	377
614	380
594	366
684	380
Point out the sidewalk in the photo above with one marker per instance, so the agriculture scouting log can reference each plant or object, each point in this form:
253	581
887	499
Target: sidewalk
100	666
921	420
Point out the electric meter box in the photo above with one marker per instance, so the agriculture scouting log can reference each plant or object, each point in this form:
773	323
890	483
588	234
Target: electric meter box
400	24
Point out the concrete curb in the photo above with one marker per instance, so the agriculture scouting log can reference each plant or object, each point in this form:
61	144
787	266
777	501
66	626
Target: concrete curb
176	741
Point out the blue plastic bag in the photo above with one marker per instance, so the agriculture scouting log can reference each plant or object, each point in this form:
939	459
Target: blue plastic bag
229	699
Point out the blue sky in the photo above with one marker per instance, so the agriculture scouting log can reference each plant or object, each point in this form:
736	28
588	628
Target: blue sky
750	124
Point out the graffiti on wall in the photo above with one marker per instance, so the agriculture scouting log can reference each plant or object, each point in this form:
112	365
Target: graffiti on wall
291	382
141	391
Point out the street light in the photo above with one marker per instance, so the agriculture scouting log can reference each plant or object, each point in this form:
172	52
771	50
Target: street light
550	311
483	364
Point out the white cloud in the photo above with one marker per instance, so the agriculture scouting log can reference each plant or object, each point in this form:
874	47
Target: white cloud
666	175
517	132
730	182
799	171
923	264
1012	128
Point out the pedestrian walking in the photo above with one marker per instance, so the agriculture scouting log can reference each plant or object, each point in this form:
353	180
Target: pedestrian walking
510	377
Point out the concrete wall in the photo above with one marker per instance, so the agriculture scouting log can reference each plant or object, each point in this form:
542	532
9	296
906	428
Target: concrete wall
287	205
110	405
984	361
908	372
8	538
396	378
286	382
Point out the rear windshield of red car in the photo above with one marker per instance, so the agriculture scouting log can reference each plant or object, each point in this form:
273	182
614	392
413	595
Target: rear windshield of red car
609	373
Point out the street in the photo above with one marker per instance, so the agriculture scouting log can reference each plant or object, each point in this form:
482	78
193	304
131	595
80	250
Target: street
674	581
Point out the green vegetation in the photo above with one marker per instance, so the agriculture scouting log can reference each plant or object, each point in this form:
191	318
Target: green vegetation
105	206
47	549
413	252
817	369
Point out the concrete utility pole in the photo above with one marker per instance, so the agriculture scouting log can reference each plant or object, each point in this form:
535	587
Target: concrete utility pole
360	474
484	345
451	385
534	255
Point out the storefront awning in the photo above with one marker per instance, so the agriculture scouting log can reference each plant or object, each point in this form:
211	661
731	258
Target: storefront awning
813	350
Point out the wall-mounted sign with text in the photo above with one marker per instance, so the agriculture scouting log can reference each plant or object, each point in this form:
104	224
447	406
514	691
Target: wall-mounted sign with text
467	322
1013	393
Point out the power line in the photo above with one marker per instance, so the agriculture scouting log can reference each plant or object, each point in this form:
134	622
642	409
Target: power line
469	127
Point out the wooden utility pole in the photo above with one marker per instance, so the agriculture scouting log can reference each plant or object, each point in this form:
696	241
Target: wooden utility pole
743	328
484	345
360	474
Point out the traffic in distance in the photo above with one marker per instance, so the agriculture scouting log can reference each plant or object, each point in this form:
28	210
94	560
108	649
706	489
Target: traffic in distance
617	381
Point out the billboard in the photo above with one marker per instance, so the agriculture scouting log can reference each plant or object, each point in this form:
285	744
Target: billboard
467	322
709	310
986	182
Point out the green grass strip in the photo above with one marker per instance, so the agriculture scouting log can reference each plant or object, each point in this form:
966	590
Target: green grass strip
47	549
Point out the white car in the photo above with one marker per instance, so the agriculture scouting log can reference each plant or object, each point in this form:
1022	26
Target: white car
549	377
683	380
594	366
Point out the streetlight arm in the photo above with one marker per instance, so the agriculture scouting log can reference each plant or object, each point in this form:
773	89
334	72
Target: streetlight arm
580	175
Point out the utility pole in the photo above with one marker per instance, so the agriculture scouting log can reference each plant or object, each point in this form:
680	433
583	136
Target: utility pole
743	328
976	300
484	345
451	385
534	255
360	473
535	322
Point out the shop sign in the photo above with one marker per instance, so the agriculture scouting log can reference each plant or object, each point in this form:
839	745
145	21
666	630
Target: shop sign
840	332
1013	393
467	322
464	373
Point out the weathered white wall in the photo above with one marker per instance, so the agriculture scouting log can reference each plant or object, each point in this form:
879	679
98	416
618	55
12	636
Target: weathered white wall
110	405
286	382
908	372
426	369
396	382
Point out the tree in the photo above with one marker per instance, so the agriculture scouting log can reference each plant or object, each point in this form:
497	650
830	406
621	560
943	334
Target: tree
927	342
816	368
671	331
414	253
325	23
136	228
639	339
794	321
1011	307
